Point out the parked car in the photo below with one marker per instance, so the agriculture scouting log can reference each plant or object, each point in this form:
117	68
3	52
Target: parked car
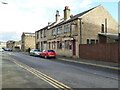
8	49
1	50
48	53
35	52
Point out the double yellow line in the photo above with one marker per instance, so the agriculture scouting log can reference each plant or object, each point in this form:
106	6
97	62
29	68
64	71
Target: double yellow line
44	77
97	65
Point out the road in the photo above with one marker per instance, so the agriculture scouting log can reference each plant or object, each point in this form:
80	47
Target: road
70	74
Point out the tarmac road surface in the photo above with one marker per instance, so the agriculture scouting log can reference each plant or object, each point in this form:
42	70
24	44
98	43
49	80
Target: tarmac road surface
70	74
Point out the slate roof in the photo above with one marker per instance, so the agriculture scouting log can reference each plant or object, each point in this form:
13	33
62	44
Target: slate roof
28	34
69	20
75	17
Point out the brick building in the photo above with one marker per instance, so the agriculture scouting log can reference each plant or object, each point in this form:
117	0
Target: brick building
28	41
14	45
66	34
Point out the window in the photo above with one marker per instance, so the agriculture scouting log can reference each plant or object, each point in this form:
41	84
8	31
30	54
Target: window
36	50
67	28
59	31
92	41
41	34
44	50
102	28
51	51
37	35
54	32
97	42
68	44
59	45
88	41
53	45
44	33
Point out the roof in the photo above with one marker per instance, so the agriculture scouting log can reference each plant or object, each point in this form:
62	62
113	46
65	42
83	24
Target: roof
109	35
75	17
54	24
28	34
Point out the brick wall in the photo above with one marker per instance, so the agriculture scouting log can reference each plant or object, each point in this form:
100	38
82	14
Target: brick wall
101	52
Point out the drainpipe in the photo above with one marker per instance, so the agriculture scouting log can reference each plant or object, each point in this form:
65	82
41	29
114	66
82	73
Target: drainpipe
80	30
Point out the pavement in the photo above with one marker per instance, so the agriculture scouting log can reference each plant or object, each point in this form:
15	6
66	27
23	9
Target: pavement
90	62
14	76
86	61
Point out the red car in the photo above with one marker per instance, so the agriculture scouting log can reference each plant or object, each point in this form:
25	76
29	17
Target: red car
48	53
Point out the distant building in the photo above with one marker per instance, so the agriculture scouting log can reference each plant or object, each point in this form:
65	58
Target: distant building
2	44
14	45
28	41
65	35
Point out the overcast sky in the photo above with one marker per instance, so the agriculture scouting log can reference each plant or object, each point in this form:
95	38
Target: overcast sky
31	15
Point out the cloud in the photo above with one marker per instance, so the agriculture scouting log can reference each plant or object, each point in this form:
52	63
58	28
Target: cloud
31	15
6	36
85	3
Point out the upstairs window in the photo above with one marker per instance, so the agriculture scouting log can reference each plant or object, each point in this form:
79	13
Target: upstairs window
102	28
41	33
37	35
59	31
44	33
54	32
67	28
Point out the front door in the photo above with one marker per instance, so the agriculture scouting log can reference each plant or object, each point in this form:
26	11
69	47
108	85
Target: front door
74	48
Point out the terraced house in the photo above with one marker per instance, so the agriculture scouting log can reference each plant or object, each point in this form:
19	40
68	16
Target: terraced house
27	41
65	35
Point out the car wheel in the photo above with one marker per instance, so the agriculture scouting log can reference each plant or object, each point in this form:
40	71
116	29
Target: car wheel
46	57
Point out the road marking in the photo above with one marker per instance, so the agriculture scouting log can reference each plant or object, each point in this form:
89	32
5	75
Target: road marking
43	76
97	65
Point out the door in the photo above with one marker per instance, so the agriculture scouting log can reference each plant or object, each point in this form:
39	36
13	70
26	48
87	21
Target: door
74	48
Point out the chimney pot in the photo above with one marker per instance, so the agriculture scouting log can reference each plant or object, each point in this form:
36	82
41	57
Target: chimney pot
66	7
71	15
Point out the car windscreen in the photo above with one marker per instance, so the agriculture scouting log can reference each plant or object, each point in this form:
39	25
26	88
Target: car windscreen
36	50
51	51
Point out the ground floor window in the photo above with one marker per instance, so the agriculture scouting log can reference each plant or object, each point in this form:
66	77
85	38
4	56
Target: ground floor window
53	45
59	45
92	41
68	44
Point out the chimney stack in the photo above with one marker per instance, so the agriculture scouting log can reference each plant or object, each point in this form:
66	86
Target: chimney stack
66	13
57	16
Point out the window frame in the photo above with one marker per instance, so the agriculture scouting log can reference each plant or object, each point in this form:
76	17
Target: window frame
59	30
66	28
54	32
